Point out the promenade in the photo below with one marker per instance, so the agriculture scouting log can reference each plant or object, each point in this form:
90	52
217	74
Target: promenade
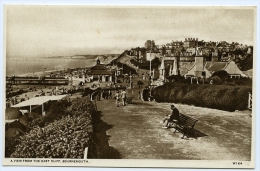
135	132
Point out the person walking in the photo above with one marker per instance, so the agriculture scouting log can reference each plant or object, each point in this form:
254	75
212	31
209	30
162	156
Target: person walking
123	95
117	97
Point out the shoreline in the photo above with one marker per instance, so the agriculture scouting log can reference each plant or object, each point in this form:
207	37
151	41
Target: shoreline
41	73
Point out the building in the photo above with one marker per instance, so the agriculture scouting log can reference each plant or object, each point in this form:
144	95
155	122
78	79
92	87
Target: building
99	73
150	55
149	44
190	42
197	66
177	44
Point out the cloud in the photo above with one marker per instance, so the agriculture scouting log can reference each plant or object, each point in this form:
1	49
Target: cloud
68	30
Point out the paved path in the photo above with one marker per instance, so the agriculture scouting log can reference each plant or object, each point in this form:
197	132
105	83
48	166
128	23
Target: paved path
136	132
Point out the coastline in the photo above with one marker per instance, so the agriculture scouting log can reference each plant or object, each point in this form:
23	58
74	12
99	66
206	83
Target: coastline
39	73
64	68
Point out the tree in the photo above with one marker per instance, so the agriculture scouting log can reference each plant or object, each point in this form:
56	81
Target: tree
216	80
223	75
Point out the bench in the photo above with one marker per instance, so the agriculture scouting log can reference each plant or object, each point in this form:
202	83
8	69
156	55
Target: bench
185	125
129	100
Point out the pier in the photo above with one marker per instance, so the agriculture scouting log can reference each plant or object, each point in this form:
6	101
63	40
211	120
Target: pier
16	80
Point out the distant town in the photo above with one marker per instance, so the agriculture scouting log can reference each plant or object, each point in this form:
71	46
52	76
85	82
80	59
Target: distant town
195	57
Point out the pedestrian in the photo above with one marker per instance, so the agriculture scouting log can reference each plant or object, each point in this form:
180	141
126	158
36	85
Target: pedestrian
123	95
117	97
109	94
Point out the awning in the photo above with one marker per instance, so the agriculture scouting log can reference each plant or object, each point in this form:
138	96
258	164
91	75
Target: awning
38	100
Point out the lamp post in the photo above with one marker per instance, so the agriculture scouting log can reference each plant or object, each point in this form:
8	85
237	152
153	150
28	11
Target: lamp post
150	81
150	61
130	80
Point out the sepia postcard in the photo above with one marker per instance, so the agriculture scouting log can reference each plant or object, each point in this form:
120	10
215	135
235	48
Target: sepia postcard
129	86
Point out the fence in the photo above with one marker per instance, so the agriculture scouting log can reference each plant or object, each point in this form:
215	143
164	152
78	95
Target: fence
86	153
250	101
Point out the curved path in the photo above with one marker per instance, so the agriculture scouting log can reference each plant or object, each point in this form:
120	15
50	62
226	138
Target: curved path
136	132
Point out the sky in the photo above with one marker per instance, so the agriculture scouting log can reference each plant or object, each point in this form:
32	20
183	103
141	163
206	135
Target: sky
42	31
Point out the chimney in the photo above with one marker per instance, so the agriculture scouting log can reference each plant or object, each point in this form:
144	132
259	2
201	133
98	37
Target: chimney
199	66
214	57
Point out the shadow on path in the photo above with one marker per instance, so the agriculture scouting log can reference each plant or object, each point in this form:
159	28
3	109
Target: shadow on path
101	138
199	133
194	133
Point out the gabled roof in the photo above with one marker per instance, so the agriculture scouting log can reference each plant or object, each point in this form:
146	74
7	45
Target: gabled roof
190	70
98	67
215	66
232	68
186	67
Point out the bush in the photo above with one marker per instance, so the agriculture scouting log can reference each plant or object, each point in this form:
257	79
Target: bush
55	110
67	131
223	97
216	80
64	138
223	75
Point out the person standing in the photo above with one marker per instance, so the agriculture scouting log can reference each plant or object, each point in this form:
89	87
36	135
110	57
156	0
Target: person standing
109	94
117	96
123	95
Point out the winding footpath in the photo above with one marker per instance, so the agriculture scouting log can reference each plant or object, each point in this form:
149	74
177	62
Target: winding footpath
136	132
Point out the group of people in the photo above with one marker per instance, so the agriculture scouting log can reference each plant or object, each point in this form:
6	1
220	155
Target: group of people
65	138
105	94
121	96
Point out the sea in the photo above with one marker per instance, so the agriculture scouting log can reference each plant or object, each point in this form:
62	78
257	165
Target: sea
29	66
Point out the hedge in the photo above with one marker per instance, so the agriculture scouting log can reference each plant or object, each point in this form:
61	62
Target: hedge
223	97
64	132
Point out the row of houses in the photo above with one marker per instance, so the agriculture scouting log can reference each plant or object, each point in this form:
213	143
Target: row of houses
188	47
197	68
188	58
193	58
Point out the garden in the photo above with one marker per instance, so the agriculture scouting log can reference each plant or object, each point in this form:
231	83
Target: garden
64	132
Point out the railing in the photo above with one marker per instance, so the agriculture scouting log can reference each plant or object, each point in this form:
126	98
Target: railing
94	93
86	153
249	101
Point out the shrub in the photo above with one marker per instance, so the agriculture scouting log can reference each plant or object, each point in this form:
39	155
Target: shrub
32	116
224	97
222	74
55	110
216	80
67	131
64	138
